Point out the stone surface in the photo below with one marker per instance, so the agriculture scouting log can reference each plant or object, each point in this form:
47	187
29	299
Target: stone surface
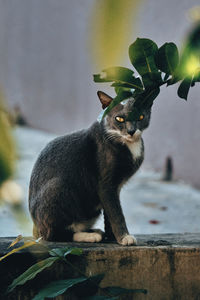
167	265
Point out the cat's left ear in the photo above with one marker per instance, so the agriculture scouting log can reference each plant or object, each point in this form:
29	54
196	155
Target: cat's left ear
105	99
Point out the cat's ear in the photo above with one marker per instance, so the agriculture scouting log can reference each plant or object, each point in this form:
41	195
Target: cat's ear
105	99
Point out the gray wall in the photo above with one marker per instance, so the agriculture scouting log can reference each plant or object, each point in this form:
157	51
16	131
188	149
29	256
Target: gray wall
45	67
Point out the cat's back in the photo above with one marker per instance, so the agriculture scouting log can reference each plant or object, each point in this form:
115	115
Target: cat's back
64	155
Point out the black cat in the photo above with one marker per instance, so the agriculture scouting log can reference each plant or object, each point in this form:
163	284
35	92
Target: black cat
79	174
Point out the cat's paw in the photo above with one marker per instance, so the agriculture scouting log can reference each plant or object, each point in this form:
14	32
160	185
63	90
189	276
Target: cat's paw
128	240
88	237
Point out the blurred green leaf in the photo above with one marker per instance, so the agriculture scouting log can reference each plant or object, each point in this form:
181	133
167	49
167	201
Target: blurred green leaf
196	77
167	58
63	252
184	87
31	272
112	26
26	245
56	288
142	53
7	149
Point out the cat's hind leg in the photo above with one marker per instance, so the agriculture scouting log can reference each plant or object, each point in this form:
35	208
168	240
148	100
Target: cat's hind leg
88	237
83	233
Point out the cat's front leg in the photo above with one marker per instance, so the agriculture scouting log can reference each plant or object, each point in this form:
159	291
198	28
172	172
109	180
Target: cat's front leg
113	212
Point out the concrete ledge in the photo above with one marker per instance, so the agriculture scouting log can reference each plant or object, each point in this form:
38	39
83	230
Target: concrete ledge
167	265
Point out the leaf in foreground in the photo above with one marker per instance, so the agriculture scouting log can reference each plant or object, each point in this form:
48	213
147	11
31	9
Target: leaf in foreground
56	288
167	58
31	272
17	240
142	53
120	97
117	291
100	298
26	245
63	252
184	87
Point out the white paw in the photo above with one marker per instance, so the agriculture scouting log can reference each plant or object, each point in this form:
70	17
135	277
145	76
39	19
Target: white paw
89	237
128	240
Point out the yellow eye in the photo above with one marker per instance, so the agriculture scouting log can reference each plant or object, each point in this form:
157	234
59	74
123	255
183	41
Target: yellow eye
119	119
141	117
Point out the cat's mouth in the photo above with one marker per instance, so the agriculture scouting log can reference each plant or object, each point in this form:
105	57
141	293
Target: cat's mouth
133	138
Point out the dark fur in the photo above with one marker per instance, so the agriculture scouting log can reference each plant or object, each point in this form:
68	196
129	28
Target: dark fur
78	174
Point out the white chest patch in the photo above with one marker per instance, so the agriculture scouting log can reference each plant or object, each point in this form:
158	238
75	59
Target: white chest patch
135	148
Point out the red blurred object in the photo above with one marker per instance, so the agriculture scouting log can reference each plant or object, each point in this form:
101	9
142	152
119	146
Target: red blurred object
154	222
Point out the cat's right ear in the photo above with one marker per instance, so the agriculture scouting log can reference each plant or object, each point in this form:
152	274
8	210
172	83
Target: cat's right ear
105	99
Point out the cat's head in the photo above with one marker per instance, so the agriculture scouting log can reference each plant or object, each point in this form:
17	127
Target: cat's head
116	121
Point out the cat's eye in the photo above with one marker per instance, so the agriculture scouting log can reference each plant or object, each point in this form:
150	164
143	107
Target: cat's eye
119	119
141	117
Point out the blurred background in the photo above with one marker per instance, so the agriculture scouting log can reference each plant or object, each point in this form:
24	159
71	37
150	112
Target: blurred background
48	53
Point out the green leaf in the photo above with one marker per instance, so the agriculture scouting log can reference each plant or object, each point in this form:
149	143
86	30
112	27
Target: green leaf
135	84
100	298
166	77
7	145
119	98
63	252
145	100
184	87
196	77
167	58
56	288
142	53
119	75
114	74
117	291
152	79
31	272
134	115
89	287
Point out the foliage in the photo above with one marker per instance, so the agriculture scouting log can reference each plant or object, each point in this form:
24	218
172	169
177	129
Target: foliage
6	145
84	287
112	23
155	67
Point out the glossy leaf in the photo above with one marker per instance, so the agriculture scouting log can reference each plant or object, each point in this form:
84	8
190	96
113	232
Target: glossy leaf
142	53
184	87
119	75
63	252
31	272
167	58
56	288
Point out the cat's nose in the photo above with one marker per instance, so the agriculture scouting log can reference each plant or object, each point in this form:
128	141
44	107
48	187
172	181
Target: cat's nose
131	131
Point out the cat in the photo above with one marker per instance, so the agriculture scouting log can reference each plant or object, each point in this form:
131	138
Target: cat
78	175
